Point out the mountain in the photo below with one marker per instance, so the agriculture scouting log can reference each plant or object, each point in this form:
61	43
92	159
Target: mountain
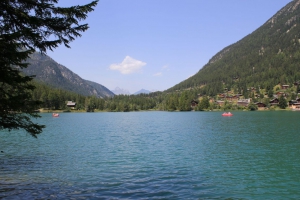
142	91
118	91
268	56
56	75
100	89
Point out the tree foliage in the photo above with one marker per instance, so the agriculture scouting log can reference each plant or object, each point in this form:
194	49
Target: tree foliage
204	104
252	106
282	102
27	26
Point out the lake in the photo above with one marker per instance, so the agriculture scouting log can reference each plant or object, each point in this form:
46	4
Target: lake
155	155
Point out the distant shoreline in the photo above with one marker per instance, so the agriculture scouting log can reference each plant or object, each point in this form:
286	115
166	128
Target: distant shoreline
215	110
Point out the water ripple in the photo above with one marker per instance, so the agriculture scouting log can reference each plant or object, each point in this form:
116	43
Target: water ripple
155	155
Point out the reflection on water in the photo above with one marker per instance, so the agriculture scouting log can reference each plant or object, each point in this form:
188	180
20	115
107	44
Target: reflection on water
156	155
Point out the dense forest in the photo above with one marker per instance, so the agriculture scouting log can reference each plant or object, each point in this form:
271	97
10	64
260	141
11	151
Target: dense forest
55	99
186	100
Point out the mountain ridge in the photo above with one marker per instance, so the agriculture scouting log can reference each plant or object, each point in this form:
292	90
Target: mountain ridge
264	58
119	91
142	91
48	71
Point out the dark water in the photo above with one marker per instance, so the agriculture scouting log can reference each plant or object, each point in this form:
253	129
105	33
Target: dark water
155	155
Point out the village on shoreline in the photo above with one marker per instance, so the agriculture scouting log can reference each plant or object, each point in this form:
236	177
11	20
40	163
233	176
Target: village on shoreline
284	98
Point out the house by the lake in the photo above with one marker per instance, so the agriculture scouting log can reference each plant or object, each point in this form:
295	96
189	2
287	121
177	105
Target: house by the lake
243	102
279	94
220	103
295	104
261	105
194	103
71	104
274	102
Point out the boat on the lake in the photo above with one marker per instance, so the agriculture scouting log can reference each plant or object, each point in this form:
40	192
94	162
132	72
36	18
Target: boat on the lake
55	115
227	114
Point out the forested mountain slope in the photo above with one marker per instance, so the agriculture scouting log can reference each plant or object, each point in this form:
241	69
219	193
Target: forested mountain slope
56	75
267	57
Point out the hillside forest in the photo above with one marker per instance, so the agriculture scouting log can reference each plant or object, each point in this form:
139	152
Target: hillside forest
263	59
187	100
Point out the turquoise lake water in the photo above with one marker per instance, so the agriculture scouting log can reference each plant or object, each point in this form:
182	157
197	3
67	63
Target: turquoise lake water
155	155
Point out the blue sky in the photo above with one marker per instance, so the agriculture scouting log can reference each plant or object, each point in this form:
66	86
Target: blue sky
155	44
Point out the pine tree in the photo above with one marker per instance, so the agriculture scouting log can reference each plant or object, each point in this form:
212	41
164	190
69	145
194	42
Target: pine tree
204	104
282	102
27	26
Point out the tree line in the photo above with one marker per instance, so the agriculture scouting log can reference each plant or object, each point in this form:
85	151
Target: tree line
56	99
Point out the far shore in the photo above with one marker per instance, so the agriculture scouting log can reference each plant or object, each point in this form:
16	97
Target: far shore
215	110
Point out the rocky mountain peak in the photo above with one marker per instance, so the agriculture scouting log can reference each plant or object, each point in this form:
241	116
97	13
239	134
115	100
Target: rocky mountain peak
56	75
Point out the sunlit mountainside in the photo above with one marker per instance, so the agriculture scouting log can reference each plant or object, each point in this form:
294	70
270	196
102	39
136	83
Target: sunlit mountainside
267	57
58	76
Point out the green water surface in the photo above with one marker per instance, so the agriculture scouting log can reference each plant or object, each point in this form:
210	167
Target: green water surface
155	155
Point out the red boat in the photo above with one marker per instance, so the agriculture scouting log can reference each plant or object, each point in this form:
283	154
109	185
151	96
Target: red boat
55	115
227	114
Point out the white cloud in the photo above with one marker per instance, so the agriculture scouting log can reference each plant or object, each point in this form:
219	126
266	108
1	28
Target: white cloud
128	66
158	74
165	67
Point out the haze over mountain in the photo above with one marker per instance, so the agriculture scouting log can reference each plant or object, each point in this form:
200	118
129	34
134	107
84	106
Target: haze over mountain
142	91
267	57
56	75
118	91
